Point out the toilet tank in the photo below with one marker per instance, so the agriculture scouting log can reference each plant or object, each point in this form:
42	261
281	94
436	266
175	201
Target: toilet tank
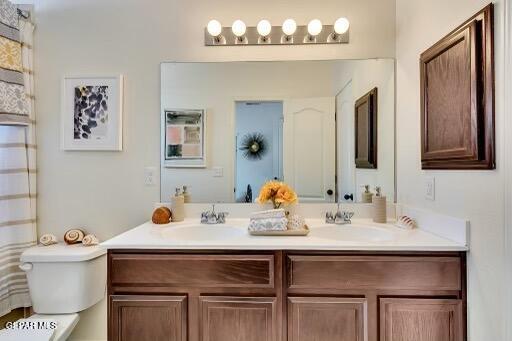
65	278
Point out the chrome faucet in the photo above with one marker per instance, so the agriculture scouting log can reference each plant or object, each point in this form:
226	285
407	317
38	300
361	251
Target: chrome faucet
212	217
339	218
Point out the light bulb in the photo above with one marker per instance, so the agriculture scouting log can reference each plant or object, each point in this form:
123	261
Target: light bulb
214	28
238	28
264	27
341	25
314	27
289	27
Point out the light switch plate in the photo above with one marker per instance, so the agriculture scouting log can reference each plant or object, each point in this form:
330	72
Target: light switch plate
218	172
430	188
149	176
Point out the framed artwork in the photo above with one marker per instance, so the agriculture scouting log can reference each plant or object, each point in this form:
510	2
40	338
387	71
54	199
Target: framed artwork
457	130
91	113
366	130
185	136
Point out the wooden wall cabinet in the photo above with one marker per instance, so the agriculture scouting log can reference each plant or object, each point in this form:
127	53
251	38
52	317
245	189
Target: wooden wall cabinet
457	97
286	296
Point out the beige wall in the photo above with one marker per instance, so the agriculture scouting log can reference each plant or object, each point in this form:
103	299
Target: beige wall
474	195
104	191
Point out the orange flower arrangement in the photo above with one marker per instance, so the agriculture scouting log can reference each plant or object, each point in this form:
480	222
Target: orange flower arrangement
278	193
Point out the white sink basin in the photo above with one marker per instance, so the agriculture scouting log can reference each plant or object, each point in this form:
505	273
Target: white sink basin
357	233
203	232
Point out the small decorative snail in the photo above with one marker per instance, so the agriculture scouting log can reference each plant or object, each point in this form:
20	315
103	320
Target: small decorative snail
161	215
74	236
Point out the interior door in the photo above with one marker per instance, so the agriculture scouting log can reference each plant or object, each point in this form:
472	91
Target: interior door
345	143
309	148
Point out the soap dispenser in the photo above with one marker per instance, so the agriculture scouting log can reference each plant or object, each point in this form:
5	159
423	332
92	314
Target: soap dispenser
366	195
178	206
379	207
186	194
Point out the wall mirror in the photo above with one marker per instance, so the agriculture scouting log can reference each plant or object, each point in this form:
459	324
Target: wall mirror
228	127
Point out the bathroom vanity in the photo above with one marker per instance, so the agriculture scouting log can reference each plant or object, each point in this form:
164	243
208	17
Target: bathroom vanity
178	283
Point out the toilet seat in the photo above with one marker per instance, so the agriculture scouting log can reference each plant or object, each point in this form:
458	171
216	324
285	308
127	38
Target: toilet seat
65	325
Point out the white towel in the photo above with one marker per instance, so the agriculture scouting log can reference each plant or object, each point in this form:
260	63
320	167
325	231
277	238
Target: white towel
268	214
269	224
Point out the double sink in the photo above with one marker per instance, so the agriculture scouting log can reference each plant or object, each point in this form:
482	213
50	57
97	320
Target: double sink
233	230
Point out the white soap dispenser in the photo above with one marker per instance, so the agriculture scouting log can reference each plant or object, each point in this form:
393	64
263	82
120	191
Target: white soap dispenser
178	206
379	207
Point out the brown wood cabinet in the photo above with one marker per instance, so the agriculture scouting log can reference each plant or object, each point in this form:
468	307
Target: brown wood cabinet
238	318
327	318
421	319
286	296
140	317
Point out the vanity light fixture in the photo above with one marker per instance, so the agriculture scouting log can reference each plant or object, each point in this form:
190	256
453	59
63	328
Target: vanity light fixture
238	28
264	28
314	28
340	27
214	29
288	34
289	27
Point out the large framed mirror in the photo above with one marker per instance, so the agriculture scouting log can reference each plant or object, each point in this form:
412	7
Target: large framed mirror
228	127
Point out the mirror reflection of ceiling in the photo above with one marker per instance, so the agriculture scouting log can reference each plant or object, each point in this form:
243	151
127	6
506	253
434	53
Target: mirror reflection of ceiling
229	127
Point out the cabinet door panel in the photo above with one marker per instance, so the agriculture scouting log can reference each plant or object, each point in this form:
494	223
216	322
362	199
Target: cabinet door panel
135	318
421	320
327	319
238	318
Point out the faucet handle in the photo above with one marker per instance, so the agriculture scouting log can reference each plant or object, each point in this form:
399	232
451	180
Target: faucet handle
221	217
329	217
347	216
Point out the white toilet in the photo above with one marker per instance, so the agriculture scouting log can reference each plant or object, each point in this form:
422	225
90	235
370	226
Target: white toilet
63	280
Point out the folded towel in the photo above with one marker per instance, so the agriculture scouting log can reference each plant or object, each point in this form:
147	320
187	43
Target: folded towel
269	224
268	214
296	222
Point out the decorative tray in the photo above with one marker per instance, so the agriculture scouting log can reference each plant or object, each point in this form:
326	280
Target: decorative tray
301	232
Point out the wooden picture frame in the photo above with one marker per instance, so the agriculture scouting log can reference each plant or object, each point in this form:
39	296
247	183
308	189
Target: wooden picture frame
457	97
366	130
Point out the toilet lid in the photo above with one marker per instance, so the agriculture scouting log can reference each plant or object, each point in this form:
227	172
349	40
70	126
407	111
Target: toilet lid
61	253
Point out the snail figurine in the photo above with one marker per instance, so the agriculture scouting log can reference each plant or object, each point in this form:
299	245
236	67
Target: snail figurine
161	215
74	236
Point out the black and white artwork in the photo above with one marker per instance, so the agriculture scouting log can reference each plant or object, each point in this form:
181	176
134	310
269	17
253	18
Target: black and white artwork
92	113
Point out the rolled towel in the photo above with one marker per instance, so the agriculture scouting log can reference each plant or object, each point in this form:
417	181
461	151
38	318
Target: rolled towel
90	240
296	222
268	214
74	236
48	239
270	224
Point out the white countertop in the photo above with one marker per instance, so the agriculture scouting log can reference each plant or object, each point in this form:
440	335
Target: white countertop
362	234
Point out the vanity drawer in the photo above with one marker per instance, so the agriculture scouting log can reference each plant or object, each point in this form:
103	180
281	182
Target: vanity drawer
374	272
207	271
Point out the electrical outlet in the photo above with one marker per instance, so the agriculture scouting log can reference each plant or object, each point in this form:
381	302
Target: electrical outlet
218	172
430	188
149	176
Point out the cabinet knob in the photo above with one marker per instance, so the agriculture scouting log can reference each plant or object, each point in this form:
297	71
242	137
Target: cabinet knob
330	192
349	197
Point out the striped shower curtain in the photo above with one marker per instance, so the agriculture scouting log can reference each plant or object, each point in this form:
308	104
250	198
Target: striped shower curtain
17	155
